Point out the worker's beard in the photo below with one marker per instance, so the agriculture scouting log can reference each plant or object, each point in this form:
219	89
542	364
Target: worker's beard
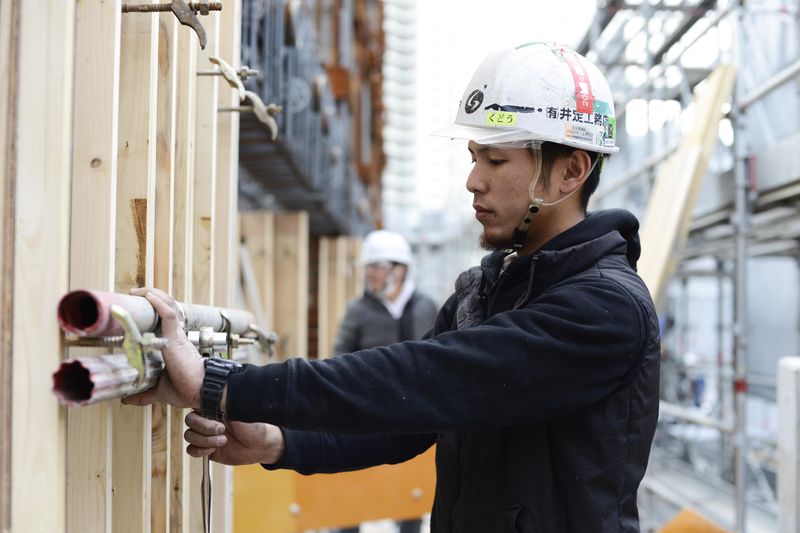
495	243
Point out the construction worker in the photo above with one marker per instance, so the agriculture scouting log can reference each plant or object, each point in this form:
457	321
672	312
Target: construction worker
391	309
539	382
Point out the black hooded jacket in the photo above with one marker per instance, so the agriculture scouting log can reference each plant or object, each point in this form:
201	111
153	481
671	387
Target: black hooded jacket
539	386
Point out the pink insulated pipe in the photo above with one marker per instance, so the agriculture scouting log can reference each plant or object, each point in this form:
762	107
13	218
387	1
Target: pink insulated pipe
87	313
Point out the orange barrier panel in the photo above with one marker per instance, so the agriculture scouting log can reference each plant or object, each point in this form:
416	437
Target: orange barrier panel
286	502
688	521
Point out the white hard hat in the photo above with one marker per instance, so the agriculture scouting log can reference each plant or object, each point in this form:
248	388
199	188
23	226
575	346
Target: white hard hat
534	93
382	245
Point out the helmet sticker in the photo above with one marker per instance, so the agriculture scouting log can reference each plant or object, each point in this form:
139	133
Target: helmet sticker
474	101
513	108
501	119
610	131
576	132
584	97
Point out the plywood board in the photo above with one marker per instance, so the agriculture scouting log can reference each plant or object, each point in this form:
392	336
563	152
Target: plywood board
672	200
92	242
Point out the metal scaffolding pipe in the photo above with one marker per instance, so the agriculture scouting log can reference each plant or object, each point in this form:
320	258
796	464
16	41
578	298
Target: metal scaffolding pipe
741	225
87	380
633	174
678	411
770	85
88	313
639	91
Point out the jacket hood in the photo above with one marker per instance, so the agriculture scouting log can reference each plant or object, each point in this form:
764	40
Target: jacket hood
596	225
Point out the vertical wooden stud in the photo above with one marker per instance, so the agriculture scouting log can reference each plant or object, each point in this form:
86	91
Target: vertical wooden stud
182	249
162	255
206	101
43	74
136	169
226	230
324	289
92	242
291	294
9	45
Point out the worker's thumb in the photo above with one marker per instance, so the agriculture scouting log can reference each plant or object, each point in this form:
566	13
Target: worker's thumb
143	398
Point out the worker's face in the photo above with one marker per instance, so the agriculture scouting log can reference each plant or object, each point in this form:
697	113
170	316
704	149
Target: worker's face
499	182
384	277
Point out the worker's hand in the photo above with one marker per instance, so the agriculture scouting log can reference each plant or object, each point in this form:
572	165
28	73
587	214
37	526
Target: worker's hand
180	383
233	443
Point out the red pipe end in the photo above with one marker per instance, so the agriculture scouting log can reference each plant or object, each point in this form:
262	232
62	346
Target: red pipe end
72	383
79	313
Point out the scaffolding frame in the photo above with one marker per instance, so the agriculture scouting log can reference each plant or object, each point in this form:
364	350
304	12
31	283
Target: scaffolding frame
740	229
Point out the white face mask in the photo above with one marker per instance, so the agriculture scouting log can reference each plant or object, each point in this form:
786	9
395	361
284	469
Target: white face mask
390	280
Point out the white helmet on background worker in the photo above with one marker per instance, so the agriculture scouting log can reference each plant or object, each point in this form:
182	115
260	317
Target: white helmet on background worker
385	246
535	93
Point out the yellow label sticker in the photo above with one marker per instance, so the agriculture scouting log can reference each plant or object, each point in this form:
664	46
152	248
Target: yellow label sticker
501	119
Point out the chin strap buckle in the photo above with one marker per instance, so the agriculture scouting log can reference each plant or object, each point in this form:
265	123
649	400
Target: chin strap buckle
520	234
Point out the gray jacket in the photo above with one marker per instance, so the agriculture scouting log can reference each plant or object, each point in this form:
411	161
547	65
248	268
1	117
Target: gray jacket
367	323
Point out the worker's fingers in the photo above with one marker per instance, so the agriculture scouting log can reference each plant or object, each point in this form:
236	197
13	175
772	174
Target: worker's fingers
204	441
194	451
143	398
167	308
204	425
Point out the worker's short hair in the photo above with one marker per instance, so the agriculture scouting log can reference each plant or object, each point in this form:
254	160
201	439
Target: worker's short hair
553	151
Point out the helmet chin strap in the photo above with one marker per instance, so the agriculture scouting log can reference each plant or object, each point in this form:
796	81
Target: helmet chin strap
520	235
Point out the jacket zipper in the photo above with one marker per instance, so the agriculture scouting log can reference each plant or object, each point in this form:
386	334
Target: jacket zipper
519	303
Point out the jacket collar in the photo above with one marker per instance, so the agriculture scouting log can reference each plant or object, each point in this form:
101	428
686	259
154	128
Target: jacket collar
602	233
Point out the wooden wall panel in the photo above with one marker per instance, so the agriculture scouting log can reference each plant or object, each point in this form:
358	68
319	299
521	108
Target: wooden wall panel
92	242
115	203
43	126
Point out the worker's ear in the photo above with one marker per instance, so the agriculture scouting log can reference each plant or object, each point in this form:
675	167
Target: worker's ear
574	172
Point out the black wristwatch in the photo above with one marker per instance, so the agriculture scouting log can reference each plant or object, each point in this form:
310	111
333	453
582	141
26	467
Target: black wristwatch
217	372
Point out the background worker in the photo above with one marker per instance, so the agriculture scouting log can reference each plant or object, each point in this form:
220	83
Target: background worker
539	383
391	309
